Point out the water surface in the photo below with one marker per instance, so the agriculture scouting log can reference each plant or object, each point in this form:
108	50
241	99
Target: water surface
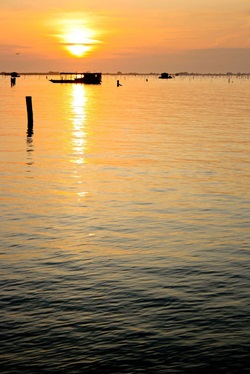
125	226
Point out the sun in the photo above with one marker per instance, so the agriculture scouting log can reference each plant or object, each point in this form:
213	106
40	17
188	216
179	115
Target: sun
78	50
79	40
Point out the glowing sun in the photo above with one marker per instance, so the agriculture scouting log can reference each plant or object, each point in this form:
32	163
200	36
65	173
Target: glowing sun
79	40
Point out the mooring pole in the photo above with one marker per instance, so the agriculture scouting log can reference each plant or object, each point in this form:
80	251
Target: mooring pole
29	115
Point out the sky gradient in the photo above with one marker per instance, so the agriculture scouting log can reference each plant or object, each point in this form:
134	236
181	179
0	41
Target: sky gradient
125	35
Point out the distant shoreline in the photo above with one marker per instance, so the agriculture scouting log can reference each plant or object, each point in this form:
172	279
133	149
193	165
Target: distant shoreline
139	74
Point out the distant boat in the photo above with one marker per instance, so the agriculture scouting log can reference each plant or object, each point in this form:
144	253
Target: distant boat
165	76
84	78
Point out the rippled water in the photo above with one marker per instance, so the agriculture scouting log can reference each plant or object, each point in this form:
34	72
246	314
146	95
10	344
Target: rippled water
125	226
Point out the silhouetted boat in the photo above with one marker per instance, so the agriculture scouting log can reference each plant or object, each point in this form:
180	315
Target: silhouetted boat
165	76
85	78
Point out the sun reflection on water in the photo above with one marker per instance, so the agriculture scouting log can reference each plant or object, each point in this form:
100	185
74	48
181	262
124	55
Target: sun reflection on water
79	101
79	134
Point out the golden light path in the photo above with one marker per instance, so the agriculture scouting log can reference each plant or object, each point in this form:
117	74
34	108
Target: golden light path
79	101
78	107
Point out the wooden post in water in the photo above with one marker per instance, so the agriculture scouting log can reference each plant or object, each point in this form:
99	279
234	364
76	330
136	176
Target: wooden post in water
29	115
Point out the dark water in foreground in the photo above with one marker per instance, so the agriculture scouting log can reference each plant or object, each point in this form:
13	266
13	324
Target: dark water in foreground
125	227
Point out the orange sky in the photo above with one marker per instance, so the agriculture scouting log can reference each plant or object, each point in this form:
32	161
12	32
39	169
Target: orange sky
125	35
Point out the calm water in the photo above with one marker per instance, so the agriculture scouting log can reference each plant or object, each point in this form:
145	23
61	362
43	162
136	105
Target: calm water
125	226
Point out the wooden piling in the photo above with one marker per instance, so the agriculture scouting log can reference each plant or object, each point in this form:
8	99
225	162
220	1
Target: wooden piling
29	115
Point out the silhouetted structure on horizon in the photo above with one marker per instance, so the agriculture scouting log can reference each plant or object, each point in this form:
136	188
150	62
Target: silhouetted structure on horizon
86	78
13	77
165	76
